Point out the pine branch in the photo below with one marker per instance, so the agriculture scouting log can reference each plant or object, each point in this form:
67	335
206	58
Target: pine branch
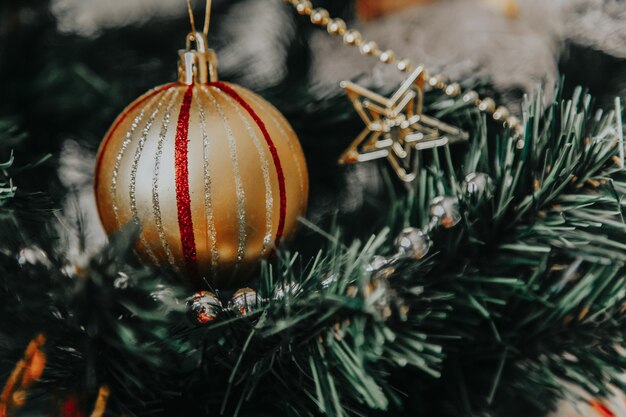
524	296
545	252
555	218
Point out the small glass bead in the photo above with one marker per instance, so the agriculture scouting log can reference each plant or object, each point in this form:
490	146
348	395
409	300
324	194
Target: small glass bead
369	48
446	209
477	185
404	65
487	105
352	37
388	56
436	81
204	307
320	17
470	97
336	27
453	90
412	243
501	113
304	7
377	263
512	122
244	301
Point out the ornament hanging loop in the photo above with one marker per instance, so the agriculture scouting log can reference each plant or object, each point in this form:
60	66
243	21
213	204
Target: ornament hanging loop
207	18
198	63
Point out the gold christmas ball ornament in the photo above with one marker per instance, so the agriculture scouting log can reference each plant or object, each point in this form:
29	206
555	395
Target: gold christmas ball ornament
212	173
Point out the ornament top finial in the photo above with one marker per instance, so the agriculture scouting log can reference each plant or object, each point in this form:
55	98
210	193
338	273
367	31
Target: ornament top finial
199	64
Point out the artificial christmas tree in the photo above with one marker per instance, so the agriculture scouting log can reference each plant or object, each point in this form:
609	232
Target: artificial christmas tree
491	284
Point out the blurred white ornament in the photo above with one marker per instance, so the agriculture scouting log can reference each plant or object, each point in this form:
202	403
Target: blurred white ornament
33	255
88	17
79	224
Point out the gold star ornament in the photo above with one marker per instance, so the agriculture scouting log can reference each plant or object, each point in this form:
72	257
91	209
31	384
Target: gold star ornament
396	128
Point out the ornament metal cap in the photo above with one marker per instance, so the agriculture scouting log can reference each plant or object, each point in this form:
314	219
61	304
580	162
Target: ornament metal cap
199	65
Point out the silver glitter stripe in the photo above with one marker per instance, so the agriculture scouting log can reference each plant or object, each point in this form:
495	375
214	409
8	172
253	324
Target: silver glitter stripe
265	167
156	204
272	113
241	196
208	205
133	174
120	156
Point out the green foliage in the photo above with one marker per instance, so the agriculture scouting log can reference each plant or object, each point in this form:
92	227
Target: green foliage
7	190
515	305
538	270
524	296
512	307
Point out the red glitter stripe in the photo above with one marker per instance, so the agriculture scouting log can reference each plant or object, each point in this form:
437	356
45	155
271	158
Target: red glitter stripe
183	198
270	143
120	120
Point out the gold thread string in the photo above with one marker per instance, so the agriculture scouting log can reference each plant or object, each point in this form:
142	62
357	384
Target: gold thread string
207	17
192	19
